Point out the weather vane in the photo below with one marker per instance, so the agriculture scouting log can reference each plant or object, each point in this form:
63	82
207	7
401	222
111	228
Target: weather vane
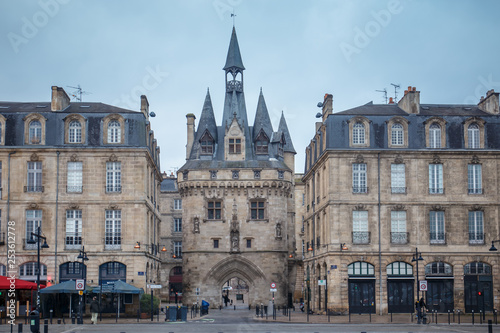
233	15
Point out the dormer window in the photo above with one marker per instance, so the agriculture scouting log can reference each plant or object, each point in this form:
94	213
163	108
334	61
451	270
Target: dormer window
358	134
261	144
114	132
435	136
473	136
35	132
207	144
75	132
234	146
280	147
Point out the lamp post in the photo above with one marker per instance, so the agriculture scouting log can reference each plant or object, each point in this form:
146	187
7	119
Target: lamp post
416	258
83	257
493	248
39	236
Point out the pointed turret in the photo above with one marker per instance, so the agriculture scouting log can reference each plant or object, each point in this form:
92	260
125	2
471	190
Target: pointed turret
283	128
206	135
233	59
262	121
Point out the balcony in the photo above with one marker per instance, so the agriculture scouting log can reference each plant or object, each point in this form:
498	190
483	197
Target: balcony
398	190
113	188
361	237
27	246
73	240
33	189
359	189
74	189
112	242
475	191
437	237
400	237
436	190
476	238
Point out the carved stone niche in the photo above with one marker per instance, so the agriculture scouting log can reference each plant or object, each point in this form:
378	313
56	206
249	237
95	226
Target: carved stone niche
113	207
34	157
113	158
437	207
398	159
476	207
73	205
360	159
436	159
360	207
475	159
73	158
33	205
398	207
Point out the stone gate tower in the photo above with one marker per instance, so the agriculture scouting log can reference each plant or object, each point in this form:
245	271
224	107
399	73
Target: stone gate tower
237	193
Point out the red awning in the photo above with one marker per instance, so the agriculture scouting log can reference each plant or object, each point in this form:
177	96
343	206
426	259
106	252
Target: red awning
19	284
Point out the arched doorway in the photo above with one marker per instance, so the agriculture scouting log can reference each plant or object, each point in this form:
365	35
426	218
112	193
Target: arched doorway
175	285
439	276
400	282
478	279
235	291
361	287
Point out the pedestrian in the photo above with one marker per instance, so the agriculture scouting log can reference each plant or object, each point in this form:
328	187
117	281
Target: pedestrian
94	310
422	303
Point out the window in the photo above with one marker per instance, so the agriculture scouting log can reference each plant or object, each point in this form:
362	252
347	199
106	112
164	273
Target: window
75	177
35	132
397	134
474	175
33	221
177	204
435	136
257	210
34	177
477	268
73	228
75	132
256	174
216	243
249	243
360	268
0	180
438	268
399	268
236	174
261	144
358	134
398	178
234	146
113	268
214	210
359	178
207	144
360	233
3	270
436	179
114	131
398	227
28	271
437	235
177	225
213	174
113	176
476	227
281	174
177	249
473	136
113	233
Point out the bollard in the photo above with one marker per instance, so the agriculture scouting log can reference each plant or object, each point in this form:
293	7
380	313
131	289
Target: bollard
73	318
46	326
391	317
370	317
458	317
490	326
449	317
235	308
51	314
411	317
20	328
436	312
495	315
328	315
481	317
289	315
349	316
454	315
472	317
59	321
138	315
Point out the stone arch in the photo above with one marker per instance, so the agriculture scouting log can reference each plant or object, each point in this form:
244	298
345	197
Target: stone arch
239	267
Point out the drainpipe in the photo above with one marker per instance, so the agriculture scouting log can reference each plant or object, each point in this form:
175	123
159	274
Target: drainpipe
314	226
379	240
8	202
57	215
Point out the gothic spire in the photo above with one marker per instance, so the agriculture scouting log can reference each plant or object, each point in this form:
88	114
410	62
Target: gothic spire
282	127
233	59
262	120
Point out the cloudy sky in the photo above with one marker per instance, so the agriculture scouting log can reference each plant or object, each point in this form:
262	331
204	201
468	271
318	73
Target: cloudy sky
296	50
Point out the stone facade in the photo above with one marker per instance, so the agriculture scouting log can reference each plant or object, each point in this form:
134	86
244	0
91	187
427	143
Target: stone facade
59	171
389	184
237	190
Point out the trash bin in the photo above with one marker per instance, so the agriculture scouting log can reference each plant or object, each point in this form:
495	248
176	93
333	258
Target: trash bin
182	313
35	321
172	313
204	307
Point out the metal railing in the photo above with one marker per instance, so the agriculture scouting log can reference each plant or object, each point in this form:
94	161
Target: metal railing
74	189
33	189
476	238
73	240
437	237
435	190
359	189
475	191
361	237
398	190
113	188
400	237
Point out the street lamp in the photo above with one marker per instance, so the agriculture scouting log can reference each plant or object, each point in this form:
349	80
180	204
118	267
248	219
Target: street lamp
39	236
493	248
83	257
416	258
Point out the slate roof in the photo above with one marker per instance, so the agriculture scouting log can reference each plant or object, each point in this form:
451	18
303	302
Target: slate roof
169	185
262	120
282	127
79	107
233	54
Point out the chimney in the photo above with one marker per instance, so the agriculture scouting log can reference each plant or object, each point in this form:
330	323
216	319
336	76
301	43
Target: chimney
410	103
145	106
391	101
490	103
60	100
190	134
327	106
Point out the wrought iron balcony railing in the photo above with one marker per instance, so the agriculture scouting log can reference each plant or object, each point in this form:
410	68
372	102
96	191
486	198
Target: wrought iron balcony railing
437	237
361	237
399	237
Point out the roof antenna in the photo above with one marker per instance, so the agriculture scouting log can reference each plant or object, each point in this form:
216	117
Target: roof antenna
233	15
77	95
385	94
396	87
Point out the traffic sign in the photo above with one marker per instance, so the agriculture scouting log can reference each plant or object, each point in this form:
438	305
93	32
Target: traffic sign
155	286
273	290
80	284
273	285
423	285
321	282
